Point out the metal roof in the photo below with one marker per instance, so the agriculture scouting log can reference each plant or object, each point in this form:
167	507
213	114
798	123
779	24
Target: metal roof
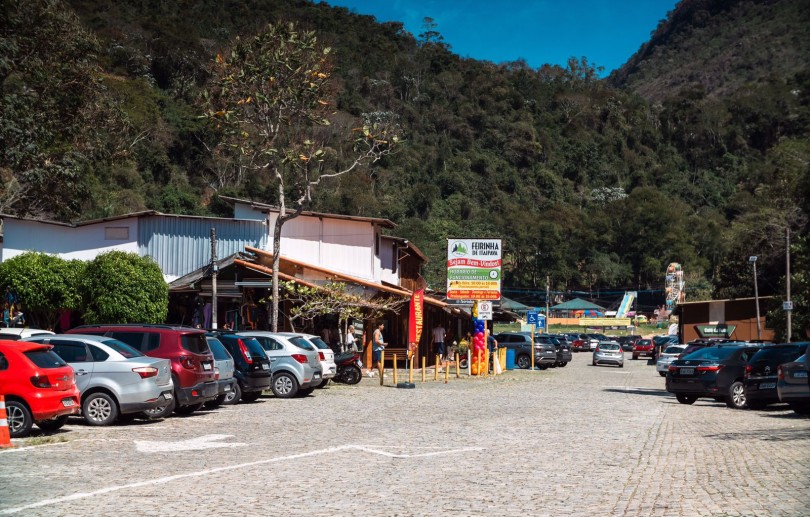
264	207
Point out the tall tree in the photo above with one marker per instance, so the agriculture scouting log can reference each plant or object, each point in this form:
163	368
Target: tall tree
273	98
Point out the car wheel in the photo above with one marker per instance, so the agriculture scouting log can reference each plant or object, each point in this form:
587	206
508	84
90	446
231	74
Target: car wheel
325	382
251	396
187	410
213	404
99	409
284	385
736	395
593	363
662	374
53	424
305	392
19	419
685	399
524	362
233	396
160	411
621	365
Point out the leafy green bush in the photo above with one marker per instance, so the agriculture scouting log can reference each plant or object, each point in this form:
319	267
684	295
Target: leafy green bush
122	287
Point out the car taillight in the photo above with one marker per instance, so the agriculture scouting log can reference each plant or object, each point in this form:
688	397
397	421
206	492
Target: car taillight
216	374
709	368
779	373
301	358
40	382
147	371
187	362
244	350
748	370
673	368
321	356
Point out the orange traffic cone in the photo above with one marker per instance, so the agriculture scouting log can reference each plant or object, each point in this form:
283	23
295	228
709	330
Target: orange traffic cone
5	437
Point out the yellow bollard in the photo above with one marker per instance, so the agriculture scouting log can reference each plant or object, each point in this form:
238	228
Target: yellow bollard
424	367
458	372
410	368
486	362
382	368
479	363
446	373
395	369
436	370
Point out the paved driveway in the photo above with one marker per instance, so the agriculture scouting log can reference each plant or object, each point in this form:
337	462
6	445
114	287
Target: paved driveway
579	440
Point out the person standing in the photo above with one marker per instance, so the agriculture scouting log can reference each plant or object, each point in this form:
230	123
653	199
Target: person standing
377	346
351	343
438	340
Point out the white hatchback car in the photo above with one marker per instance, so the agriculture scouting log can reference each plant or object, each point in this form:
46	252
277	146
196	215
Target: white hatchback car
325	354
17	334
669	354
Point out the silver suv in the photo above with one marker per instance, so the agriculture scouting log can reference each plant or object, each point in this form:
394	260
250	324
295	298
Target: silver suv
545	354
294	362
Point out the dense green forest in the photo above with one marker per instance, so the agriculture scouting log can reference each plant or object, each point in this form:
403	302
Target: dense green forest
696	151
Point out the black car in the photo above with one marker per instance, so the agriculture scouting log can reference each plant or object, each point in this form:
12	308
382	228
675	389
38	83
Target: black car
761	372
251	365
564	355
716	372
627	342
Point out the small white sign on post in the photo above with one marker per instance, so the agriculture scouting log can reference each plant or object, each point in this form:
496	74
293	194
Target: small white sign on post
787	305
484	310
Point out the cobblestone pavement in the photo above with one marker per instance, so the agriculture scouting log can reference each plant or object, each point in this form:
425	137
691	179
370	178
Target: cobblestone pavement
579	440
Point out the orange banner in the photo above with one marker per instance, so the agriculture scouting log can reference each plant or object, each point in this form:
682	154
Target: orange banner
416	316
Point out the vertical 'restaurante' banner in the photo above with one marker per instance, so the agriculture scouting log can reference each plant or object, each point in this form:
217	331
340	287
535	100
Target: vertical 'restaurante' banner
416	316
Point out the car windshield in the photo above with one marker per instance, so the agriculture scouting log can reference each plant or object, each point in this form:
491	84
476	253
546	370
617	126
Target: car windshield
673	350
777	355
45	358
195	343
318	342
608	346
218	349
302	343
122	348
712	353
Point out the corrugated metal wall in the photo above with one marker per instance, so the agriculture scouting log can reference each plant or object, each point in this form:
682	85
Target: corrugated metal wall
181	245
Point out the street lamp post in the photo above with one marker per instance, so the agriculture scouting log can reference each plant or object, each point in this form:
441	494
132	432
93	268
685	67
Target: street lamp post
753	260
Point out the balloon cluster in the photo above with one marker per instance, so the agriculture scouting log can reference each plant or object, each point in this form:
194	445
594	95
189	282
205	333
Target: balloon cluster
479	346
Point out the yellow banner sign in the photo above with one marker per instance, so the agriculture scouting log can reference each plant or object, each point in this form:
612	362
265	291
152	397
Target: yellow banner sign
604	322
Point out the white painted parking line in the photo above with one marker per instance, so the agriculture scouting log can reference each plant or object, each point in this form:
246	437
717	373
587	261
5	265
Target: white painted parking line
209	441
168	479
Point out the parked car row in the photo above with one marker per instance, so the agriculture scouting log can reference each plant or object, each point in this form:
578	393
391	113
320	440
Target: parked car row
741	374
111	373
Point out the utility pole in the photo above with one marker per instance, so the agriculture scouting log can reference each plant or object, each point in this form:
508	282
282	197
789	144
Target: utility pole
548	325
214	269
787	284
753	260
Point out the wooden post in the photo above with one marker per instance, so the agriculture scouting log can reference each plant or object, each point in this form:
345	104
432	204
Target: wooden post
446	373
410	368
486	362
382	368
436	370
424	367
395	369
479	363
458	372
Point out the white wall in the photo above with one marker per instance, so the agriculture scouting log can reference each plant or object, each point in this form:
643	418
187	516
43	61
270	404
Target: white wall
83	243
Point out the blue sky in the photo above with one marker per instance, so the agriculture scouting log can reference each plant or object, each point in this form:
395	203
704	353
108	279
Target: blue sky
607	32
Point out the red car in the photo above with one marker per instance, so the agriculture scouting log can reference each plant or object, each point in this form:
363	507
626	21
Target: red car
643	347
38	385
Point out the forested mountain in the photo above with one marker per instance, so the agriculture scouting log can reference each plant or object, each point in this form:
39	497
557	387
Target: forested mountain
597	183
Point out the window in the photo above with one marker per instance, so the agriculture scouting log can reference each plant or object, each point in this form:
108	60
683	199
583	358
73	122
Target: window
98	354
3	362
122	348
133	339
116	233
45	358
195	343
301	343
152	341
71	351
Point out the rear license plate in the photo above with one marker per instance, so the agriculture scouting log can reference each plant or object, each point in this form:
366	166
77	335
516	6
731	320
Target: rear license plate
68	402
227	387
767	385
168	395
265	366
800	375
687	371
316	376
206	366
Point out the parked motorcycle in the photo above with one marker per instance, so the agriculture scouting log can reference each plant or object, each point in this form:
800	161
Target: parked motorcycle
349	368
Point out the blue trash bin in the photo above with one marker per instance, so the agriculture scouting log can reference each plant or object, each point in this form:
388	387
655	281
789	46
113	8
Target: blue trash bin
510	358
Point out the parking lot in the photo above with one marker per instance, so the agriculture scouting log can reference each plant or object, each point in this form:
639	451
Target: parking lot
579	440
